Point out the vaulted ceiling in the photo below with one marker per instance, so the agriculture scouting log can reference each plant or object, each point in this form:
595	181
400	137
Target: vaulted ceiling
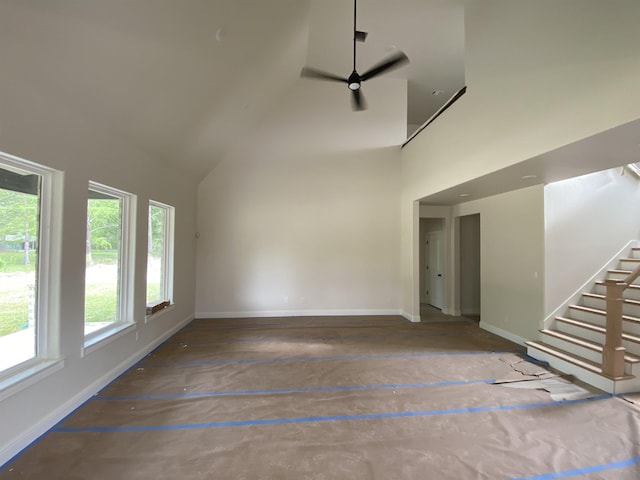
186	80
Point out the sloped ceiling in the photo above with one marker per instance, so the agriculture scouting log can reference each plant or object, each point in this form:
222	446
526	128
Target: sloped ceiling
430	32
186	80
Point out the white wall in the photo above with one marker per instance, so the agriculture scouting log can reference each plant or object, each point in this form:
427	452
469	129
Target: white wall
538	77
511	261
588	219
303	220
36	125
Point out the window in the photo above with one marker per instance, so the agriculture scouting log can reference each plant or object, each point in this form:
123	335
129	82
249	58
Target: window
25	210
107	277
159	256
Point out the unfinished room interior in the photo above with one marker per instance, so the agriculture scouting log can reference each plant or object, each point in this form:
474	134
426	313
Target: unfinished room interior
315	239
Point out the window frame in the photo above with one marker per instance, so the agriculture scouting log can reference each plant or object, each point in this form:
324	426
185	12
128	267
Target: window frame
167	258
126	269
46	359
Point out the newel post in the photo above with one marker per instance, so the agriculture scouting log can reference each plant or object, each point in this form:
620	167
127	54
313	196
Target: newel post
613	352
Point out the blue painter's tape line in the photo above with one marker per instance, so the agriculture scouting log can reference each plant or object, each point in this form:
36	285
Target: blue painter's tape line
330	418
368	323
585	470
311	359
292	339
291	390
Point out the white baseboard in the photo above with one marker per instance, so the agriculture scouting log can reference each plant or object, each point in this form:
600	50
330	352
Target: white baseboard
296	313
20	443
410	317
503	333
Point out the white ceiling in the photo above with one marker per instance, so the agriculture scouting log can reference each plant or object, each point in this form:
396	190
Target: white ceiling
616	147
186	79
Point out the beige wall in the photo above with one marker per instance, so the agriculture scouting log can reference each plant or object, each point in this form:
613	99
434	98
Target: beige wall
511	261
540	75
302	220
37	125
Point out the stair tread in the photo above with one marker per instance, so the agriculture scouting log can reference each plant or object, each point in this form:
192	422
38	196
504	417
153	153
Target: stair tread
598	311
582	324
617	270
630	259
588	309
596	328
571	358
604	297
564	355
591	345
632	286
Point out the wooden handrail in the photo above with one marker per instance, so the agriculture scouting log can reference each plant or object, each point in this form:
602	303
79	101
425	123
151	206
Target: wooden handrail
613	351
632	276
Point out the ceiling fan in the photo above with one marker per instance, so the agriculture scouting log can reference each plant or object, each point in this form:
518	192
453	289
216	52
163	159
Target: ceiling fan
354	81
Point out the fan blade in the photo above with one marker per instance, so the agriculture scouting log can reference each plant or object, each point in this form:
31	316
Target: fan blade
358	102
361	36
395	61
308	72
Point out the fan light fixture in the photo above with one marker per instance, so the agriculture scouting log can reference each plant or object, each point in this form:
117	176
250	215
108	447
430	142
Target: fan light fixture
354	81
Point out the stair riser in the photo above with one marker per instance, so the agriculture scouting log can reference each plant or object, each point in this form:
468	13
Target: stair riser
600	320
622	276
589	354
594	318
631	347
627	265
635	253
634	370
627	308
580	332
572	348
630	293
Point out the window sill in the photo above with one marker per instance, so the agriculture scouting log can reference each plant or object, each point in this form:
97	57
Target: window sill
159	313
106	336
32	372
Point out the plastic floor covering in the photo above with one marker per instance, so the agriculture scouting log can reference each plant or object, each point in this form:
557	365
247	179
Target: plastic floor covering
334	398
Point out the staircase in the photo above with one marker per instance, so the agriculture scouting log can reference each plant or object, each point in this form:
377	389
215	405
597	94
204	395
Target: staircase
573	342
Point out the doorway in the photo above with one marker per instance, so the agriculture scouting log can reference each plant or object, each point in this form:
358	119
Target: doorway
469	271
432	275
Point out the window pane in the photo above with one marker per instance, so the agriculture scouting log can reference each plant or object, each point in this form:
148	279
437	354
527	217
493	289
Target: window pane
102	280
155	255
159	253
19	234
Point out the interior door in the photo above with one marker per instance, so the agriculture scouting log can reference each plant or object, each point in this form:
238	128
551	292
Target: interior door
435	269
